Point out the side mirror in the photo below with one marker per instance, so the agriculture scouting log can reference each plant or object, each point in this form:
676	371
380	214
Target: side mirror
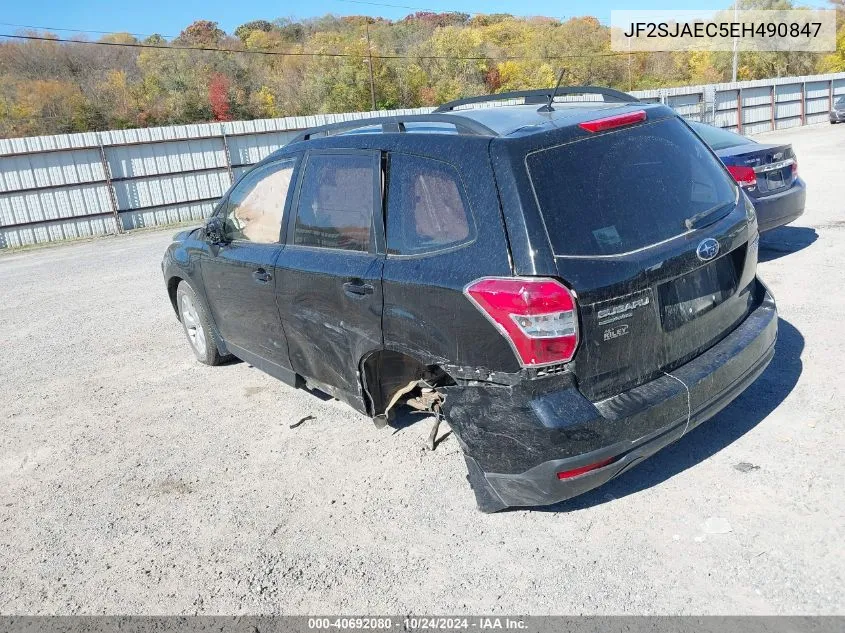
214	231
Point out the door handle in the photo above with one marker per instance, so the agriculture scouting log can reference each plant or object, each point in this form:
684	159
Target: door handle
358	288
261	276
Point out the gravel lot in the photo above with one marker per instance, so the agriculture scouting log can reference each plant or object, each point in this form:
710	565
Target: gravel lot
135	480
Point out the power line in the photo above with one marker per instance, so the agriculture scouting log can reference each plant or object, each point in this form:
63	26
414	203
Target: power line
187	48
171	37
305	53
55	28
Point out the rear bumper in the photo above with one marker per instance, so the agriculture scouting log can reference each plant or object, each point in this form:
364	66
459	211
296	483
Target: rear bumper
836	117
781	208
624	429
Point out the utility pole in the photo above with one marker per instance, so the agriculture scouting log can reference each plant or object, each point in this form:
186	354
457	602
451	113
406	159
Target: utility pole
736	42
370	64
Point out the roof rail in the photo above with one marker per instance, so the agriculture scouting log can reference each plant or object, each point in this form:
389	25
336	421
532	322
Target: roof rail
463	125
541	96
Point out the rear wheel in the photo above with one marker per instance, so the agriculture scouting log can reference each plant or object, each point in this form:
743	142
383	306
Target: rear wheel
197	326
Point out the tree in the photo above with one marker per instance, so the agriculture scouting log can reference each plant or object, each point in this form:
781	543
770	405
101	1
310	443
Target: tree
835	62
243	31
201	33
218	97
321	65
290	31
450	18
264	103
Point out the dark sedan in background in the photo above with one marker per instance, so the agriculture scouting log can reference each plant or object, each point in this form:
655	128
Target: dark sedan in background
768	173
837	114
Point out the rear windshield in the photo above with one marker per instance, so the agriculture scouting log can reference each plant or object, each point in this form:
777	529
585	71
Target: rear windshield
718	138
623	190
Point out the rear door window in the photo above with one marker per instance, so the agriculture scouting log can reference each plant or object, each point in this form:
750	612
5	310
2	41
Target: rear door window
627	189
427	208
336	201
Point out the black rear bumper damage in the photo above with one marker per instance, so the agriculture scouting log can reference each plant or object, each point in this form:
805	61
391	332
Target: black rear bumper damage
517	439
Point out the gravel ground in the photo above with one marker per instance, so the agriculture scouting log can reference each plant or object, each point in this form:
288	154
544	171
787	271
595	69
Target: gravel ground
135	480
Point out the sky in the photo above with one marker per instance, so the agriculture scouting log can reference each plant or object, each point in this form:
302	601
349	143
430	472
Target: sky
168	17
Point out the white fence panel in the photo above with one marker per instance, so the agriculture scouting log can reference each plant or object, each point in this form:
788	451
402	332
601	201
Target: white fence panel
77	185
51	169
150	159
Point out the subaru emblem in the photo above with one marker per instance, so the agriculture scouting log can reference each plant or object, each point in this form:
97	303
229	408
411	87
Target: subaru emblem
707	249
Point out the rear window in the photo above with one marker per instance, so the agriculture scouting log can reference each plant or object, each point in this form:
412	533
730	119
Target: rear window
426	206
627	189
717	138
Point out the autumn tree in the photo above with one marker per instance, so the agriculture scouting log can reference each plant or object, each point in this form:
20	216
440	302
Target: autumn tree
284	67
218	97
256	25
201	33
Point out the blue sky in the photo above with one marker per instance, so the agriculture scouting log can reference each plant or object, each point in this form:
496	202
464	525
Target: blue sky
168	17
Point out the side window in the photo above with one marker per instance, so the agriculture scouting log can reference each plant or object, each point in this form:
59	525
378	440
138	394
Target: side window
426	206
257	203
336	202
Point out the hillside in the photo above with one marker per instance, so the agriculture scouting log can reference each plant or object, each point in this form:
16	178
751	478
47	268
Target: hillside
282	68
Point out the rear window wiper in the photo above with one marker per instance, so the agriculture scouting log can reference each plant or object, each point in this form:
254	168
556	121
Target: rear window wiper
709	216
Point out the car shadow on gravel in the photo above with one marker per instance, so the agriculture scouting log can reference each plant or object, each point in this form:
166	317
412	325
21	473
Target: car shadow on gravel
743	414
785	240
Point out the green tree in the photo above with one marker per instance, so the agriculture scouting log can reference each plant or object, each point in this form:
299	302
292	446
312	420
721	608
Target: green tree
201	33
835	62
243	31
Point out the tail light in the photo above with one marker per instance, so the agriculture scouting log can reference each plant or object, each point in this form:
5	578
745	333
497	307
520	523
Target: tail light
610	122
744	176
750	212
537	316
568	474
794	167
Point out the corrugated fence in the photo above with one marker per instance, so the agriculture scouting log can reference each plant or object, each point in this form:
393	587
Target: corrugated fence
76	185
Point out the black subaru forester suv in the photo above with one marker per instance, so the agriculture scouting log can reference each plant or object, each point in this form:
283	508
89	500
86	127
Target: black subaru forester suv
571	286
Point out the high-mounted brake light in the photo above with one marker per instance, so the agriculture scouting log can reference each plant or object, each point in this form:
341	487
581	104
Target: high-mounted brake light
744	176
610	122
538	316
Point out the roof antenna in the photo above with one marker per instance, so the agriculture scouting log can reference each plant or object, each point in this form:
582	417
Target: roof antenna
548	107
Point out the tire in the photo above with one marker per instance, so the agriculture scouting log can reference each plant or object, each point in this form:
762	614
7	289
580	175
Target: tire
197	326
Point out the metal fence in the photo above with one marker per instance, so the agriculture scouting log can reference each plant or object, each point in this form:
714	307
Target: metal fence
78	185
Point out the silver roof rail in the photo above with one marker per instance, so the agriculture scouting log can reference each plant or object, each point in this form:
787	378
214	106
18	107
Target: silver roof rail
394	124
541	96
